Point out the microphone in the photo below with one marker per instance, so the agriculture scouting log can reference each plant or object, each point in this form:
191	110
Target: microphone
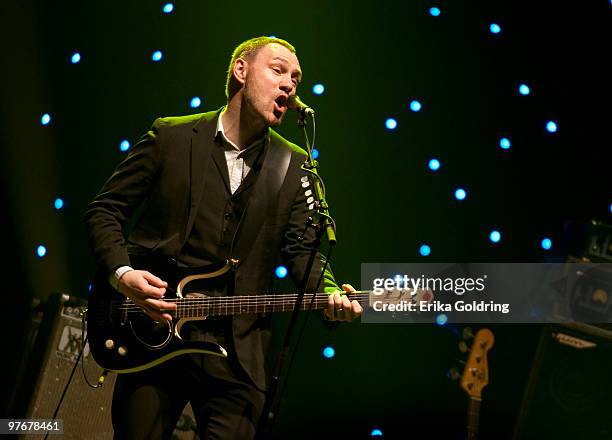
295	103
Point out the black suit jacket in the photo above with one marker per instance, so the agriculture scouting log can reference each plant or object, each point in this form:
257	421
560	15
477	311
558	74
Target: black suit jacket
164	175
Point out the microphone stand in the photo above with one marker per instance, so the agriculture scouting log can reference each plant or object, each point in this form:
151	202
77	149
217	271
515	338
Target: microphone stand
325	223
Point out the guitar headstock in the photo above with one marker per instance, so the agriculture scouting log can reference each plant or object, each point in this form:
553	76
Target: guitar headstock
476	372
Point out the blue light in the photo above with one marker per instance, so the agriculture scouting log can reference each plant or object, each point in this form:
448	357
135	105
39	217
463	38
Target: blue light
415	105
460	194
434	12
504	143
168	8
315	153
76	57
195	102
524	89
329	352
546	243
495	236
441	319
41	251
124	145
318	89
611	203
434	164
495	28
45	119
271	36
551	126
391	123
157	56
90	287
376	433
424	250
59	203
281	271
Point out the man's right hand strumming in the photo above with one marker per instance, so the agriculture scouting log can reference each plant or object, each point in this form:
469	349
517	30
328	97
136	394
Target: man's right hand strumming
146	291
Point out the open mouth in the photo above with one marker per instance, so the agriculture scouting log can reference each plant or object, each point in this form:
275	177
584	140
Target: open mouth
280	103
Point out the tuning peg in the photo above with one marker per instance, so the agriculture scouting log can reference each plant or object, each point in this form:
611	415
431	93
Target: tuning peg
463	347
467	333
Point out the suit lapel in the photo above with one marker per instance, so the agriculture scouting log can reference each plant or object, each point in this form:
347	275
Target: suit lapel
202	144
220	161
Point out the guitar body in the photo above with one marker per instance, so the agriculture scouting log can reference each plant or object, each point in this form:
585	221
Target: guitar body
123	339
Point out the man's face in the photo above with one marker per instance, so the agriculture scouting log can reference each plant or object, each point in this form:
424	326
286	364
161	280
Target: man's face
273	75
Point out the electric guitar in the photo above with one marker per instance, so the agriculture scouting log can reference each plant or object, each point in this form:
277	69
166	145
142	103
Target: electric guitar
123	339
475	377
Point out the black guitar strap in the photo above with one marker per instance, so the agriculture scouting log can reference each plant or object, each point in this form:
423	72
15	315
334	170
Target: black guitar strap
264	198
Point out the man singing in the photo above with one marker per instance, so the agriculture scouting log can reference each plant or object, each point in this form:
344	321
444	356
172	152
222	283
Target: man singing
211	187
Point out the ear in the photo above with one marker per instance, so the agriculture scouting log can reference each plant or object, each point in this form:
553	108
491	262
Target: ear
240	71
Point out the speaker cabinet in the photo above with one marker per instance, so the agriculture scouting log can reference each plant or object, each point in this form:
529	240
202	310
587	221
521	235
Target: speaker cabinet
85	411
569	394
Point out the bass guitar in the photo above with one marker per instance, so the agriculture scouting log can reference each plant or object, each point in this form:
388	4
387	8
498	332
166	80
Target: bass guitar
123	339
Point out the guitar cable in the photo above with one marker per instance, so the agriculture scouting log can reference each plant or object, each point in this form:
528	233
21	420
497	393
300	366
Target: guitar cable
105	372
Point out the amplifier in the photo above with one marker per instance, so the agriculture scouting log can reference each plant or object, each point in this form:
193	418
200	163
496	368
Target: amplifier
568	394
85	411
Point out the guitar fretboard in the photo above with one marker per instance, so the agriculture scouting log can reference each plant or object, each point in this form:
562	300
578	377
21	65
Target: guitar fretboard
194	307
473	419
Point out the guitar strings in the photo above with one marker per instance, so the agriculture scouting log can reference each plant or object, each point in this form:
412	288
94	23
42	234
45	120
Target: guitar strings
285	295
246	298
129	305
224	303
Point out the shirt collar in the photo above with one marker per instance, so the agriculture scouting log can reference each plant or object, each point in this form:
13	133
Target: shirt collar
220	134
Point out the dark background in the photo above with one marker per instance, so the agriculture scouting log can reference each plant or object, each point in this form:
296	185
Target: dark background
373	59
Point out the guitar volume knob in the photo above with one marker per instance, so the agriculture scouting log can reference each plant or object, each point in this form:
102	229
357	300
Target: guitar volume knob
122	350
109	344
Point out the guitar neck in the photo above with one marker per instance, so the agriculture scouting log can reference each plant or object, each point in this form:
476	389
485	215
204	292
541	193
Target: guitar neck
473	418
194	307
